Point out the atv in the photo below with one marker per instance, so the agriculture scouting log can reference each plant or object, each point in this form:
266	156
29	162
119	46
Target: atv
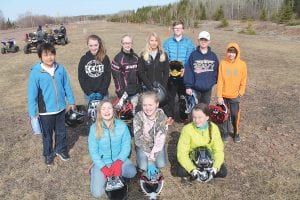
9	45
34	40
60	36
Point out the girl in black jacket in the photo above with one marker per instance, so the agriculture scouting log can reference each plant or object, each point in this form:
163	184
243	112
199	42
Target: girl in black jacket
94	70
154	65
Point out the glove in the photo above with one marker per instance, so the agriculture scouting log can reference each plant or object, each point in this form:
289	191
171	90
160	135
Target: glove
116	168
194	174
212	173
152	170
107	172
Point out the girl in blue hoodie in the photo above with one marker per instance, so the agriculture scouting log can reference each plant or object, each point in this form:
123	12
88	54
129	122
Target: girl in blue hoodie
109	146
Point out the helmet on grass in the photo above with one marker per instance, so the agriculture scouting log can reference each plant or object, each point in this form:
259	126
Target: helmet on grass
75	117
152	187
116	188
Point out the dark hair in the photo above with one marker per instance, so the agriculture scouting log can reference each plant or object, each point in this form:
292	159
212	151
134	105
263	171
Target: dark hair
46	47
205	109
178	22
232	50
101	51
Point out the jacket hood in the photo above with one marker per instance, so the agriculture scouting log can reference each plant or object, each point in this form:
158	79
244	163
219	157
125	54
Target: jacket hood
89	54
235	45
38	66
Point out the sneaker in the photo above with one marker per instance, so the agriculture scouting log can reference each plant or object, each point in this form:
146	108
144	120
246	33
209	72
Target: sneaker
225	138
63	156
237	138
49	160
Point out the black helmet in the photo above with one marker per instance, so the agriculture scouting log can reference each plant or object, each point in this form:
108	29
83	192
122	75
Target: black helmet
116	188
176	68
201	157
75	117
161	92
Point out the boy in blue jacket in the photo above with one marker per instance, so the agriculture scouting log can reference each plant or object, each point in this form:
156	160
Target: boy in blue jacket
48	86
201	72
178	48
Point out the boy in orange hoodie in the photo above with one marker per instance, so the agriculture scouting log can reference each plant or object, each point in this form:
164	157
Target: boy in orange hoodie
231	87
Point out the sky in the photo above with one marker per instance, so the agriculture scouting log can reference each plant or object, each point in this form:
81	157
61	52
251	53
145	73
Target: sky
12	9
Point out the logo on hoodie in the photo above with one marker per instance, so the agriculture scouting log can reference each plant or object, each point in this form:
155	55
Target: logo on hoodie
203	66
94	69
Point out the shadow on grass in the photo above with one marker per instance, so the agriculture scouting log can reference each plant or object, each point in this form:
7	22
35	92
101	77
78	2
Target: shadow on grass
73	133
172	151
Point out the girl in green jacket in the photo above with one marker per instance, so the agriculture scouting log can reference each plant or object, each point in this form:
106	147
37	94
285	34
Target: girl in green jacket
200	133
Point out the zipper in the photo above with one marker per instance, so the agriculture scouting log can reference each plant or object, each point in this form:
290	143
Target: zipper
177	51
154	62
56	93
54	84
110	146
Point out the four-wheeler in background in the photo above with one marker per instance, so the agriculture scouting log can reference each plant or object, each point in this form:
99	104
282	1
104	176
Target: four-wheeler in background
60	36
9	45
34	40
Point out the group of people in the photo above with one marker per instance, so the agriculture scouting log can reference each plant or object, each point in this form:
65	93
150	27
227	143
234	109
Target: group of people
109	140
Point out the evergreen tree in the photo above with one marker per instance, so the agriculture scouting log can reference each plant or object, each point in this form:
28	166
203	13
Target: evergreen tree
263	15
203	14
286	12
296	8
219	14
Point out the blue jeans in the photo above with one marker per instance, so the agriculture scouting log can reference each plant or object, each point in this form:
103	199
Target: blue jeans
142	160
86	98
54	123
98	180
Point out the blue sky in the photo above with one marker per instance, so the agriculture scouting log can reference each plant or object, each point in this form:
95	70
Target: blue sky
12	9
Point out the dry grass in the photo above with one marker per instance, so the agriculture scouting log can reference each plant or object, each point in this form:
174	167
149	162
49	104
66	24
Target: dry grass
265	165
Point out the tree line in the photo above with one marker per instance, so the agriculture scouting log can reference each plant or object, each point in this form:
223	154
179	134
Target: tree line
193	11
29	20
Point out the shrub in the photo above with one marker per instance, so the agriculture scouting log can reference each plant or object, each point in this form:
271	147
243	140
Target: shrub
249	30
224	23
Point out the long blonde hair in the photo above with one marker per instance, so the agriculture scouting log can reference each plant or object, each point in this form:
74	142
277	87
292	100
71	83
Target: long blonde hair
147	50
99	120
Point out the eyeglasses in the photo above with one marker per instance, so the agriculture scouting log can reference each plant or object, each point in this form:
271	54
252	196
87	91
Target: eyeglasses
177	28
